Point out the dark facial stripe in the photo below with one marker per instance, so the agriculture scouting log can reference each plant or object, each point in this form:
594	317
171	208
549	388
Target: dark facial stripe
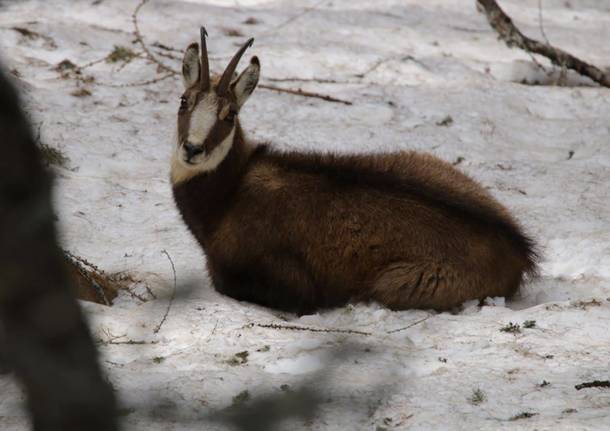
220	130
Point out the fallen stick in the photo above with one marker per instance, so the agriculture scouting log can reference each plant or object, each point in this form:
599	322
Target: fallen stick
411	325
299	92
508	32
593	384
137	84
306	328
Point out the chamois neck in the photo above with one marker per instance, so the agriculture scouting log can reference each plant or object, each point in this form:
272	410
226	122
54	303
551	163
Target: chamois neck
203	198
233	165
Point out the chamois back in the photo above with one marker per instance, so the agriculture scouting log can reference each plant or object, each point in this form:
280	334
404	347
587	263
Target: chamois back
421	176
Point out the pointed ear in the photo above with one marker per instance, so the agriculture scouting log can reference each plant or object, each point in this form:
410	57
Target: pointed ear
245	83
190	65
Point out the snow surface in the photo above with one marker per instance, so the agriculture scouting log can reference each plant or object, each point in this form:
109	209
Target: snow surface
406	65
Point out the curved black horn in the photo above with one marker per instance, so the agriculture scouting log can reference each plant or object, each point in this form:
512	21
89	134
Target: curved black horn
225	80
204	78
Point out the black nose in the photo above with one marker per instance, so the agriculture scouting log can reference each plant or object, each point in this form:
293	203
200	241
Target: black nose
192	150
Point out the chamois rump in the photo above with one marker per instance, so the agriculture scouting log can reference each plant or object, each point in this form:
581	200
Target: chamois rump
300	232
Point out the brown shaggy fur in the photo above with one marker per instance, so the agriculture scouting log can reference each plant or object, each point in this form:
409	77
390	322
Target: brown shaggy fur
300	232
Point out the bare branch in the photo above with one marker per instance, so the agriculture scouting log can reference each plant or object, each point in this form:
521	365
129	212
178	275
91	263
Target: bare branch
136	84
306	328
291	19
151	57
393	331
171	72
317	80
508	32
299	92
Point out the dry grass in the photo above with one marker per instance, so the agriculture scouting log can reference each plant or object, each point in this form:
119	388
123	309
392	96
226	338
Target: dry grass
81	92
232	32
52	156
120	53
477	397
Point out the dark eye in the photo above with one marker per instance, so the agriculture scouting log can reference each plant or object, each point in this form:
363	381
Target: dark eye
232	112
182	103
231	115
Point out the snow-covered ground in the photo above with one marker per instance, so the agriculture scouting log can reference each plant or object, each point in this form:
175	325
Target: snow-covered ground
407	66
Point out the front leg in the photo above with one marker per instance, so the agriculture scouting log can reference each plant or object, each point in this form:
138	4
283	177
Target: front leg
278	281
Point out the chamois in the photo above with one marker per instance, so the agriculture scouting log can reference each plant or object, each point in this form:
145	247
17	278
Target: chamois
300	231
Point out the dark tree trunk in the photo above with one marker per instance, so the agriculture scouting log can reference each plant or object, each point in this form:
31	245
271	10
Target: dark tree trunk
46	341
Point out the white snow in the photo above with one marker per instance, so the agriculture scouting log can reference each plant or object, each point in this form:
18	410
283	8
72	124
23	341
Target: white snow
406	65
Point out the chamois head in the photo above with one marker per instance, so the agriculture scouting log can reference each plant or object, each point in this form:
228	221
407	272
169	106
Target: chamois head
207	117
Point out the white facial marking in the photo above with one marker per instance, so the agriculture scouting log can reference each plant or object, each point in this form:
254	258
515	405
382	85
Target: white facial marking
181	171
202	120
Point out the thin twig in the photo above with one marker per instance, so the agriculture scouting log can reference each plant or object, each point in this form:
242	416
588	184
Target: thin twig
306	328
511	35
91	63
317	80
546	39
563	71
128	61
109	337
136	84
150	292
213	331
169	55
170	71
538	64
146	52
373	67
387	59
124	276
138	342
171	299
151	57
165	47
300	92
131	342
290	20
112	339
135	295
411	325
